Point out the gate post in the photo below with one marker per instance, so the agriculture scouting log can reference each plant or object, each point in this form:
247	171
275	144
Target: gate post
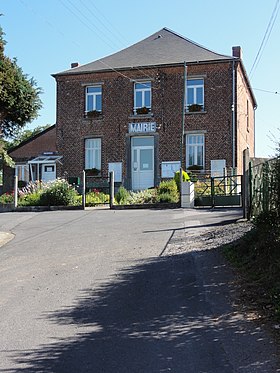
213	191
112	188
16	192
246	185
84	190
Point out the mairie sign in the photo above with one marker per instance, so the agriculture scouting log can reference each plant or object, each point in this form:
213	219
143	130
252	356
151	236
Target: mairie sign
142	127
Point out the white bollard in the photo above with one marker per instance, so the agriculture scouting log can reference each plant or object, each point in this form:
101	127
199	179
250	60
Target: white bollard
187	194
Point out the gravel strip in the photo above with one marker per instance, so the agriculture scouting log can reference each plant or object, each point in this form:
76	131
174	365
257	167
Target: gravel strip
187	240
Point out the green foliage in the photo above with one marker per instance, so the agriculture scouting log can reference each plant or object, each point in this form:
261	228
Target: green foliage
121	197
7	198
95	198
32	199
19	96
143	196
185	177
257	256
54	193
58	193
5	158
168	191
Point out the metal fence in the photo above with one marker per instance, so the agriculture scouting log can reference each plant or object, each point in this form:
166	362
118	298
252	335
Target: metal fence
218	191
264	186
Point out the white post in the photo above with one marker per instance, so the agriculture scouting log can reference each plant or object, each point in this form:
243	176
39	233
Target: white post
112	189
187	194
84	190
16	192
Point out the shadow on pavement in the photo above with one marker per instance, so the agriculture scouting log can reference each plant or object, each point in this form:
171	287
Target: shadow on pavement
160	315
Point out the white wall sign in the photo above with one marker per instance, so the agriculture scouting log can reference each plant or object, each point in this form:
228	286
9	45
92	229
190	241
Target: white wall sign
117	168
168	169
142	127
217	167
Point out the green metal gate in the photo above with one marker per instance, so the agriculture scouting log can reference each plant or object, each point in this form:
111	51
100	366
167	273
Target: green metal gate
218	191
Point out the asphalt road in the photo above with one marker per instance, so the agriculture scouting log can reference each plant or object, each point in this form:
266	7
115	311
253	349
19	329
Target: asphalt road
93	291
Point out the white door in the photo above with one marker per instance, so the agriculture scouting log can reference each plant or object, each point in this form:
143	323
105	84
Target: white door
142	162
48	172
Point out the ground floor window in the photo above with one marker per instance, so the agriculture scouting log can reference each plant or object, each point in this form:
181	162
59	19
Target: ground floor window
195	150
93	154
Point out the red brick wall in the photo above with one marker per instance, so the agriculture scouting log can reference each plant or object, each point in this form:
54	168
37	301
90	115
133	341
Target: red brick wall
244	120
167	93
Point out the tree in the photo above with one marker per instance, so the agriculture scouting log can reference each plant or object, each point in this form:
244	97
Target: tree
19	96
19	99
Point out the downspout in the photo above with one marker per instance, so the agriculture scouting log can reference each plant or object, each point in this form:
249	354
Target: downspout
233	110
254	131
183	116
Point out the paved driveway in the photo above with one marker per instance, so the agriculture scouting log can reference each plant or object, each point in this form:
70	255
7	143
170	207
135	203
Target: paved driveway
92	291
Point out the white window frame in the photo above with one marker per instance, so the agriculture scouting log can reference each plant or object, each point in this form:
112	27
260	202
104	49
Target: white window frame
195	88
94	97
93	153
142	90
195	145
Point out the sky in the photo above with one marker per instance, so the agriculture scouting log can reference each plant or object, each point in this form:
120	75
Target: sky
46	36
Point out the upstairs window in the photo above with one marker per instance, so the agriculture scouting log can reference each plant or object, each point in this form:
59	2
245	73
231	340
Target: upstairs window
195	95
142	97
93	154
93	98
195	150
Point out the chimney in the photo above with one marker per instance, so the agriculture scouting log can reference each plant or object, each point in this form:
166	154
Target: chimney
237	52
74	64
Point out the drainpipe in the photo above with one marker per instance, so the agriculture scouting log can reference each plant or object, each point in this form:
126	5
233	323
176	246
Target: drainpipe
233	109
183	116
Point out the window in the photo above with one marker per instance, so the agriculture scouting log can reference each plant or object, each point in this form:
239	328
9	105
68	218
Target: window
142	97
195	150
93	154
94	98
195	95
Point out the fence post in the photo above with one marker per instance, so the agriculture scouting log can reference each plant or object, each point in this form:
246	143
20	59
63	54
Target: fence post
16	192
265	187
213	191
246	185
84	190
112	188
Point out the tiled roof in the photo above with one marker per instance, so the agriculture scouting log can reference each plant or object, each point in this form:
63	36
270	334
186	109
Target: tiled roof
164	47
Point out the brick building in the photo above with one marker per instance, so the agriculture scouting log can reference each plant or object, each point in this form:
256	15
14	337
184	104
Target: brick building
35	159
147	109
124	112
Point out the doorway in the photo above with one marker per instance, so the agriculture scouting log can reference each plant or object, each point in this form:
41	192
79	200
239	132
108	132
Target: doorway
142	162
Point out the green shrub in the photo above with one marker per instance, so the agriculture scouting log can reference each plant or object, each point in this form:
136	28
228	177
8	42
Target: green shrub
58	193
141	197
185	177
7	198
168	192
167	198
122	196
94	198
32	199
